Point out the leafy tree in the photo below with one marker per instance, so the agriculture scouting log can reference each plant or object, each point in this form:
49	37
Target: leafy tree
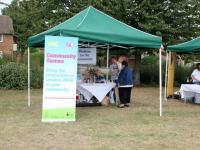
174	20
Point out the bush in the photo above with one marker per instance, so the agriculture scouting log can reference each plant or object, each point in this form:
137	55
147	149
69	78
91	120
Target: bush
2	61
37	58
36	77
182	73
13	76
149	74
5	60
148	60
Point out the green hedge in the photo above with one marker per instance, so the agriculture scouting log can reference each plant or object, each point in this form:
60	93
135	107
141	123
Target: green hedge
149	71
36	77
14	76
5	59
149	60
150	74
182	73
37	58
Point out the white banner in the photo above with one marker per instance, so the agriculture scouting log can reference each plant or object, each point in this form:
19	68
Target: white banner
60	70
87	56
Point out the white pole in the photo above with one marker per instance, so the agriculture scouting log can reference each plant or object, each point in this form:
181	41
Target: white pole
29	90
166	75
107	62
160	78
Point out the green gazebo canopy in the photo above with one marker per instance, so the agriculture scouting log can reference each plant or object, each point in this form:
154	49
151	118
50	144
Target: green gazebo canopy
187	47
92	25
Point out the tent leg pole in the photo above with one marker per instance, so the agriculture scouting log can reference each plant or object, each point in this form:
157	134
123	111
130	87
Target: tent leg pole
160	79
166	73
107	62
29	93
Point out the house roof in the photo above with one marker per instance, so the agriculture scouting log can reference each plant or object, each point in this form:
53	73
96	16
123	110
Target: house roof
6	25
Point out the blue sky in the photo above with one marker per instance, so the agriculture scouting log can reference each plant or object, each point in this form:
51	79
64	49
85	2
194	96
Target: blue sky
5	1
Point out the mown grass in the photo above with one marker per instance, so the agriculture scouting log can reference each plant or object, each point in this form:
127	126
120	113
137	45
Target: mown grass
100	128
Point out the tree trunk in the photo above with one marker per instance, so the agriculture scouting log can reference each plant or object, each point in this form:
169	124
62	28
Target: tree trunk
138	55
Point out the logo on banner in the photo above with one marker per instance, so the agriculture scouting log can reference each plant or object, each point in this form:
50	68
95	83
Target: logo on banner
70	45
53	43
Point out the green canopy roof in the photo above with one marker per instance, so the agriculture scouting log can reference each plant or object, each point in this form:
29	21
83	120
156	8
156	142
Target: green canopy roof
92	25
190	46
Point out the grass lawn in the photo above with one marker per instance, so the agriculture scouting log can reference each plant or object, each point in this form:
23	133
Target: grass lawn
100	128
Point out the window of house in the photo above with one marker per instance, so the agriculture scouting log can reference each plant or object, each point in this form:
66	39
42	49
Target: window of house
1	37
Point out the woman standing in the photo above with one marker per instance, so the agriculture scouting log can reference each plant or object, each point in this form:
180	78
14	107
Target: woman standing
114	68
125	83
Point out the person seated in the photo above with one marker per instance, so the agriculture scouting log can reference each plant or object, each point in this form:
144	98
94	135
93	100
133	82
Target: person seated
196	74
99	77
87	77
78	78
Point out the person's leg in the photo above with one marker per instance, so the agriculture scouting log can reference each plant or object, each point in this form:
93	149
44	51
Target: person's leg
114	94
121	96
127	96
128	99
117	96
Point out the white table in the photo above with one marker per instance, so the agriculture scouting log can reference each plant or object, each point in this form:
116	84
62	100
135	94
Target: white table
99	90
189	91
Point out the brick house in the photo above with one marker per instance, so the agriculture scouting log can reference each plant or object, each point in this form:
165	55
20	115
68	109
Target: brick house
6	35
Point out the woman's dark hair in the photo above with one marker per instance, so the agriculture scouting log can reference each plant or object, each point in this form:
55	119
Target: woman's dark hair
197	65
124	63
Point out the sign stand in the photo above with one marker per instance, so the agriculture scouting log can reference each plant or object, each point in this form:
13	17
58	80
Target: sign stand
59	85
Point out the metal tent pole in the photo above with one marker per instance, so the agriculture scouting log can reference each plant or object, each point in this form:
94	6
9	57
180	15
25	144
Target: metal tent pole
29	90
166	75
107	62
160	79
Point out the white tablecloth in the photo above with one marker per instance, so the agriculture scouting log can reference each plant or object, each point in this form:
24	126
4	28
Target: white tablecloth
99	90
189	91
